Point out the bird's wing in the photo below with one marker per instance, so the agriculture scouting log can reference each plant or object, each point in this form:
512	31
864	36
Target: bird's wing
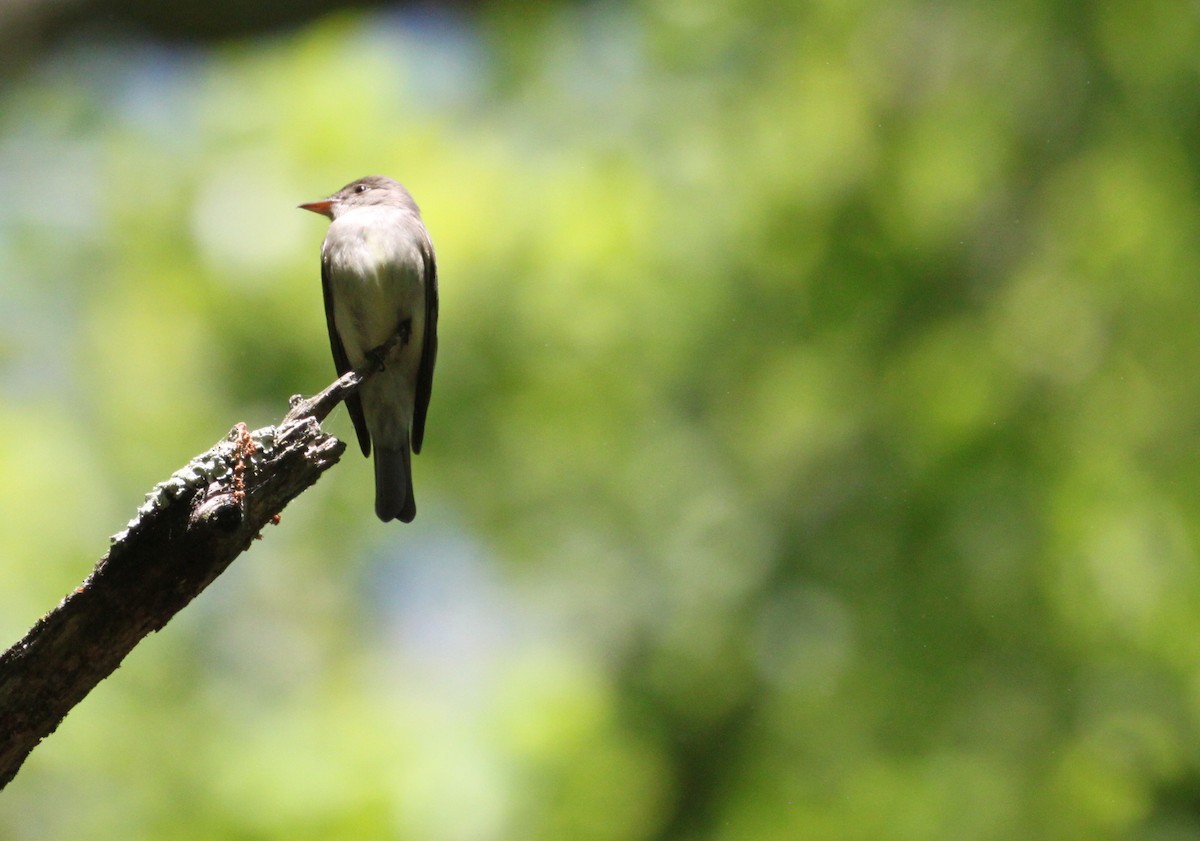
428	347
354	402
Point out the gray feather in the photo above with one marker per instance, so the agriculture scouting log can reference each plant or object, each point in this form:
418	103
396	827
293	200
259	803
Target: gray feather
393	484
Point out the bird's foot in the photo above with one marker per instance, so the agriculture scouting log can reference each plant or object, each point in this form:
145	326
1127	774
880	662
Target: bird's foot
377	355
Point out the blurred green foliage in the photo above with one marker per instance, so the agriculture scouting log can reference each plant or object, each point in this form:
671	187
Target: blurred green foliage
808	456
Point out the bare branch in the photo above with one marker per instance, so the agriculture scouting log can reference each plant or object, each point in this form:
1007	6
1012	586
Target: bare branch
189	530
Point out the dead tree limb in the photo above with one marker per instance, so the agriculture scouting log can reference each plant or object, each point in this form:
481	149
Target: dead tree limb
189	530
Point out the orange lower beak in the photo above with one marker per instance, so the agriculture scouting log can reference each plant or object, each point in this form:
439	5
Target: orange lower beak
324	207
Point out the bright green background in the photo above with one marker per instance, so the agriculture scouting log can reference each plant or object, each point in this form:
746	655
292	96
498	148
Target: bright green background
813	444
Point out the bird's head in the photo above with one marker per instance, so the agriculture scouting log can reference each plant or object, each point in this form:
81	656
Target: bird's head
365	192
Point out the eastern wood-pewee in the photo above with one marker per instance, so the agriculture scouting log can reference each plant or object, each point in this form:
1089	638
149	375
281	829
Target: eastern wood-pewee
379	276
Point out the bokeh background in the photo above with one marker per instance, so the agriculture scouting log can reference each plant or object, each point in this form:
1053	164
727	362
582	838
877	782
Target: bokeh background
812	452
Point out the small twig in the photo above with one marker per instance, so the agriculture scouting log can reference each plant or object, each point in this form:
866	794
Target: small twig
320	405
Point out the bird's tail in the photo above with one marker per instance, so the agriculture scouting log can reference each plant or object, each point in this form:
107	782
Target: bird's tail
393	483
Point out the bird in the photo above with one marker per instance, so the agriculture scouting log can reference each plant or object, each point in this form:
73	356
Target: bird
379	277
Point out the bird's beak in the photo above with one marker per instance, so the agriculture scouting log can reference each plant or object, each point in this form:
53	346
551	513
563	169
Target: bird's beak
324	207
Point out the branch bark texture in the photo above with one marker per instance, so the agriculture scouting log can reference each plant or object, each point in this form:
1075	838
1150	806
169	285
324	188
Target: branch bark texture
189	530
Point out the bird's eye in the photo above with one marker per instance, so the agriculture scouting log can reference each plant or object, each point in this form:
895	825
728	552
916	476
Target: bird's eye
361	188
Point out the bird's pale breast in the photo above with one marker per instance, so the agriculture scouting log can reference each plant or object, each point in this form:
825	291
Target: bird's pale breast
376	271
